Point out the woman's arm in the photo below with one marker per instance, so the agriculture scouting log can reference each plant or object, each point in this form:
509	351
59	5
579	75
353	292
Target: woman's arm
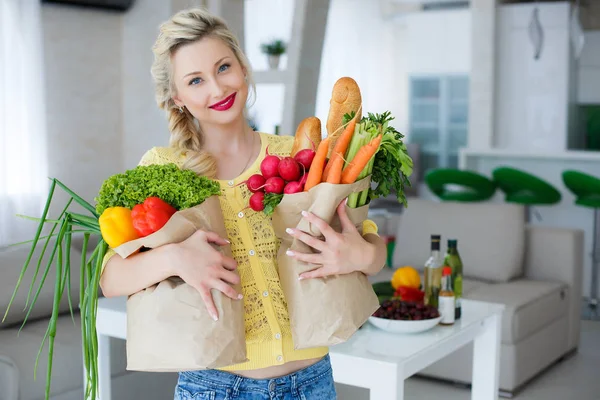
194	260
378	256
122	277
340	253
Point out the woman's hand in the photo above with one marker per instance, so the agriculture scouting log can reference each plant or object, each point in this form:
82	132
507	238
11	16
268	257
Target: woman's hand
204	268
339	253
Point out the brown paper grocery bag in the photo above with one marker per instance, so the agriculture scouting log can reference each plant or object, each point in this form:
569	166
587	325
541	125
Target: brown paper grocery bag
323	312
168	326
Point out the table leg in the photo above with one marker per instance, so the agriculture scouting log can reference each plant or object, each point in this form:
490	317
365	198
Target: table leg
486	361
388	390
104	375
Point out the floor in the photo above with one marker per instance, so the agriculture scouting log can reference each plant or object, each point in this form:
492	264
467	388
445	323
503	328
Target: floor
576	378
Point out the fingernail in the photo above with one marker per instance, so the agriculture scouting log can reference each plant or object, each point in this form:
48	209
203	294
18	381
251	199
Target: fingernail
300	278
346	201
227	241
289	253
215	317
289	230
304	214
240	296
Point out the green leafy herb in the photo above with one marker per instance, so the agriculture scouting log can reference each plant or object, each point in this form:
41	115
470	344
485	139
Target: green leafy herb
348	117
389	168
271	201
180	188
393	166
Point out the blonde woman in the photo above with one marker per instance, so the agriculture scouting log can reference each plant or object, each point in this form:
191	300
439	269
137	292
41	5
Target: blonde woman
203	81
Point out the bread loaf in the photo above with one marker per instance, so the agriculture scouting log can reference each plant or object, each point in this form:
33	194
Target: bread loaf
308	134
345	98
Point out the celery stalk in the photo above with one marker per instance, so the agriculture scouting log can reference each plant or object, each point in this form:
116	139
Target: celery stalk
367	131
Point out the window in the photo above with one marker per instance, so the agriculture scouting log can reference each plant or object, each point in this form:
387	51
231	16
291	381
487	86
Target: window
438	119
23	182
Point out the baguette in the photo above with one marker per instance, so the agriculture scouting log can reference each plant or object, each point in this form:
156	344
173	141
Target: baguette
345	98
308	135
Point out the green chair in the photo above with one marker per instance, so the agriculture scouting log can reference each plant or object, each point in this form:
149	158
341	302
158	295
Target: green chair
586	189
523	188
458	185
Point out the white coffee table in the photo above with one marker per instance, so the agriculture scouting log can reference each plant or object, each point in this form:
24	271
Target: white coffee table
381	361
372	358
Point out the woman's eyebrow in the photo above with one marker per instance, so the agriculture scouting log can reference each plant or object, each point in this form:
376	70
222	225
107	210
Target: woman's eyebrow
198	72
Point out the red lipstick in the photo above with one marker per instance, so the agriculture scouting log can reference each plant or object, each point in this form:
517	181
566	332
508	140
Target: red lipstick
225	104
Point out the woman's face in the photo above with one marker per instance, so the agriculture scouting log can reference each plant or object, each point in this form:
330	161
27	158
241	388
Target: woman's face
210	81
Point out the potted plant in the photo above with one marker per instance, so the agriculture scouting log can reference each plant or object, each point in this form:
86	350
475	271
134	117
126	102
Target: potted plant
274	50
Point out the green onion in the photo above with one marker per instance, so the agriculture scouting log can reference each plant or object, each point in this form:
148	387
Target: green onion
60	256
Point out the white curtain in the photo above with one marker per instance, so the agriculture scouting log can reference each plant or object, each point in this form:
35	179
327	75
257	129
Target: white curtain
23	178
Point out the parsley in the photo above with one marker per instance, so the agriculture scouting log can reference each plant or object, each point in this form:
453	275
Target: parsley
393	166
271	201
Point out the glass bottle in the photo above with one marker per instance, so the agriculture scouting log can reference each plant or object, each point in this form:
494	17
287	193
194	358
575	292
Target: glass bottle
454	261
447	299
433	273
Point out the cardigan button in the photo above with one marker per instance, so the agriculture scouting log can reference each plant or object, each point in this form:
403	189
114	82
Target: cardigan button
240	215
279	358
251	252
278	336
230	183
265	293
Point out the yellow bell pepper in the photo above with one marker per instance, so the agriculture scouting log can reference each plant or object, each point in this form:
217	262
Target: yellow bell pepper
406	276
116	226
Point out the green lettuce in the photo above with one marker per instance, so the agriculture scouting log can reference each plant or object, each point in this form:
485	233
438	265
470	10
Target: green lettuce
180	188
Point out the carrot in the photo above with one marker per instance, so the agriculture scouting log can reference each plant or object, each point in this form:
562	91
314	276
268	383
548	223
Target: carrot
316	168
360	161
335	172
341	145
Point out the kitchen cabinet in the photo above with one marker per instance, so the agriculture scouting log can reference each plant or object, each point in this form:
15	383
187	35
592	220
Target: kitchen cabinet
535	98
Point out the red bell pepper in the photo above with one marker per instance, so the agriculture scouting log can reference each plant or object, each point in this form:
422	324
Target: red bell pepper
407	293
151	215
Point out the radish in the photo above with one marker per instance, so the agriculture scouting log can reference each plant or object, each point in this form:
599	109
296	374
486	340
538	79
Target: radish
294	187
305	157
289	169
269	166
256	201
255	182
274	185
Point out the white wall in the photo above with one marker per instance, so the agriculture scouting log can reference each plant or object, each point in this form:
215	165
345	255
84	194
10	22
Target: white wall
83	95
439	42
265	20
144	124
374	57
359	43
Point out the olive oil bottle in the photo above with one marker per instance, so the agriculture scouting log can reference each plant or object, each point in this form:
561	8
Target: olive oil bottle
433	273
453	260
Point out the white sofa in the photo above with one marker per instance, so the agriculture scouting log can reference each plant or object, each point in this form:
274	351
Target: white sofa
534	271
18	350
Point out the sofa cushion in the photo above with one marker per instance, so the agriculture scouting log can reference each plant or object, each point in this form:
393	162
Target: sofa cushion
529	305
11	263
491	236
67	368
9	379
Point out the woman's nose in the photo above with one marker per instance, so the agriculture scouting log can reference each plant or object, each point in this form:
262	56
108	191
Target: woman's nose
217	89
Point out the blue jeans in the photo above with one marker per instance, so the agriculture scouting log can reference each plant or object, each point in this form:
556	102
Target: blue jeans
312	383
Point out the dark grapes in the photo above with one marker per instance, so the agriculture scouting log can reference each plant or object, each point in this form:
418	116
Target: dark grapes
405	310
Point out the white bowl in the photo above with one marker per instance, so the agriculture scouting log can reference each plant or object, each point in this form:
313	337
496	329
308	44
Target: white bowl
401	326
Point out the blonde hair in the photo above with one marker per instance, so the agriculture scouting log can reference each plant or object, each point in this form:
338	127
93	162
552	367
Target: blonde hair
185	27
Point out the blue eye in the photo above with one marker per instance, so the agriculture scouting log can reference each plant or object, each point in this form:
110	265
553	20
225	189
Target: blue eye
195	81
224	67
